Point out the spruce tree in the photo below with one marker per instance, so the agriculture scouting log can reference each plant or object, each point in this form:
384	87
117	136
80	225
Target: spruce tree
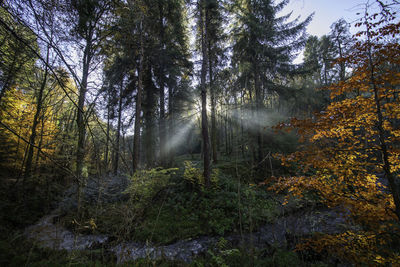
264	47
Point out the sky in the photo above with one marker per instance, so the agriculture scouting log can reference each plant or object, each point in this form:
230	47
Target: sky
326	13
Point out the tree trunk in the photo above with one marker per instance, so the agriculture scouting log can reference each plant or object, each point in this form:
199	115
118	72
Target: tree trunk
80	154
162	128
342	72
212	95
108	136
136	138
117	134
258	96
204	122
29	159
149	106
40	143
171	125
381	132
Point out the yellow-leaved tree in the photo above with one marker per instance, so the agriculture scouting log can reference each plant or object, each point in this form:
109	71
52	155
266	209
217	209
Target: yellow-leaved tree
350	156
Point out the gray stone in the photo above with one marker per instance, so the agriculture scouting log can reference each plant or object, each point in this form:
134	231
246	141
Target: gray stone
49	235
299	224
104	189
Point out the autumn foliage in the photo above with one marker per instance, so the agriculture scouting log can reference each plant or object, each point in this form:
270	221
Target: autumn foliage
350	156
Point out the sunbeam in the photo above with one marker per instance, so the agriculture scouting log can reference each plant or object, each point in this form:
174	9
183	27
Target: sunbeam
254	119
181	134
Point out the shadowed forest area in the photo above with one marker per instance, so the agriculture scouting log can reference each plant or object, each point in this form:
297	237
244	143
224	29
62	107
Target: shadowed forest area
183	133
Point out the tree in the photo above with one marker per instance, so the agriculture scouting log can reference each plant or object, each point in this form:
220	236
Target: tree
262	51
341	39
140	70
203	22
352	148
216	39
16	58
87	28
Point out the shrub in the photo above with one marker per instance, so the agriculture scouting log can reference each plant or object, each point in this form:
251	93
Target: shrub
145	184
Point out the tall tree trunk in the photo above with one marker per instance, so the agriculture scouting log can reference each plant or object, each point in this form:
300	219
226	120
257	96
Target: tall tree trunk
259	105
171	125
117	134
149	105
29	159
342	66
80	154
108	136
381	133
204	122
136	138
40	143
162	128
326	64
213	104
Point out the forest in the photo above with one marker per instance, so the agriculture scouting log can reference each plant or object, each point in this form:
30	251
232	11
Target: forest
189	133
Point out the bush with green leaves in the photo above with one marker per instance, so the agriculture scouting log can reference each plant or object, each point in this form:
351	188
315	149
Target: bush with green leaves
195	177
145	184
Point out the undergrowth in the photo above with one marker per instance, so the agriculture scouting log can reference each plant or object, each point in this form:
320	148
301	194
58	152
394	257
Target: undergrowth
166	205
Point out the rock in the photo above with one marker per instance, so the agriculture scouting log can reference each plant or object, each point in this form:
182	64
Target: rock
49	235
181	250
105	189
285	232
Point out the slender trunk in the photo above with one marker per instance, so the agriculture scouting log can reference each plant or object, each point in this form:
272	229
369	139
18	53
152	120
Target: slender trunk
117	134
107	137
161	125
342	72
18	146
258	110
148	108
162	130
204	122
242	126
29	159
226	132
212	95
381	132
80	154
40	143
171	125
136	138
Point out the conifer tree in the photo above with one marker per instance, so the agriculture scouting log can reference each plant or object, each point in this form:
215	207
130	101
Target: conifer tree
263	49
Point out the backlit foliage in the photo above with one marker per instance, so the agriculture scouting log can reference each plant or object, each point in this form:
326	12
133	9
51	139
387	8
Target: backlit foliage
17	112
341	161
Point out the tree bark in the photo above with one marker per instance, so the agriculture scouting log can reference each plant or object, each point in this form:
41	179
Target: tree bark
162	128
212	95
29	159
204	122
259	105
80	154
381	132
171	125
117	134
107	137
136	138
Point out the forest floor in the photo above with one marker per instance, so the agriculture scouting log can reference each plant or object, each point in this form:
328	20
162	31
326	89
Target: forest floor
167	217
